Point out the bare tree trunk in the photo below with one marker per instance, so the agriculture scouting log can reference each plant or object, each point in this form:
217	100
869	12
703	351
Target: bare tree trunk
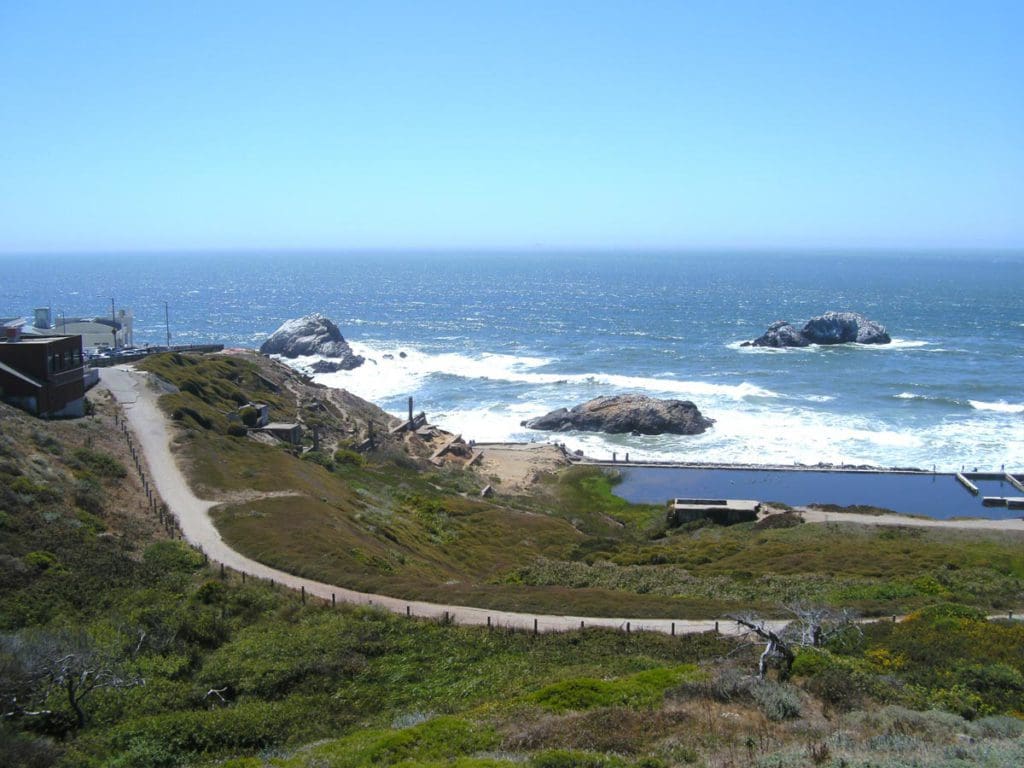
74	701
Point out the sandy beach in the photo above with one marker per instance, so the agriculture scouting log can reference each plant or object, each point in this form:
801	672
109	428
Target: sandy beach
513	468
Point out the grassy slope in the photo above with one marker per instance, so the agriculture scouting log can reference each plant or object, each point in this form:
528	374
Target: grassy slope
310	686
572	546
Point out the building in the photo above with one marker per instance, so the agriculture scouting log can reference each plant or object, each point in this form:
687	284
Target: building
99	332
719	511
43	375
289	433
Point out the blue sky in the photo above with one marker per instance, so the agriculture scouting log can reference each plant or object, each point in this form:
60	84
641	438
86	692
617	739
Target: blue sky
189	125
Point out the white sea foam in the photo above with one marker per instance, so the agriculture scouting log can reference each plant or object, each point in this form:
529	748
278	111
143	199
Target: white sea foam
1000	406
384	377
752	424
894	345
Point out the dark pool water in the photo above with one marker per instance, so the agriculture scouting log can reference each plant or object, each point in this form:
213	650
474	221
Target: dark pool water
936	496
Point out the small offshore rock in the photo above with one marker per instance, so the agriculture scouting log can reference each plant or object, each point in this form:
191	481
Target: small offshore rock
620	414
326	366
312	335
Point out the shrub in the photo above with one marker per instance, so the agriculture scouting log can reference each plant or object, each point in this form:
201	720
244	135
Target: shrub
42	561
644	689
23	751
237	430
246	726
102	464
930	725
90	522
146	753
727	684
33	493
90	496
442	738
778	701
998	727
46	441
276	658
961	700
346	457
319	457
165	557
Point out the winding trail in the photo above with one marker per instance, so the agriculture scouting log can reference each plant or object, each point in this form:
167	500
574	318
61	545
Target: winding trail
137	394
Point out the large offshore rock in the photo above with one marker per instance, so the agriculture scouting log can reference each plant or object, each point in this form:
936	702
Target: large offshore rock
312	335
844	328
829	328
626	413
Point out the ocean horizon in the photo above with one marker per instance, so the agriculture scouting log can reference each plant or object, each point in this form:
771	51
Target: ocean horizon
491	339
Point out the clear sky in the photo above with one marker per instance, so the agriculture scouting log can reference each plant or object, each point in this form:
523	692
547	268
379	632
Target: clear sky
350	124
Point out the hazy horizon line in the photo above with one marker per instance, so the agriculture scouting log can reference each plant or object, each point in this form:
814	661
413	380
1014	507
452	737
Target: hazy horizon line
520	250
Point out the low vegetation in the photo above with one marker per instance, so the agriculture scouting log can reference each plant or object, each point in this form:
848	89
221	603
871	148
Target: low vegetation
189	667
382	521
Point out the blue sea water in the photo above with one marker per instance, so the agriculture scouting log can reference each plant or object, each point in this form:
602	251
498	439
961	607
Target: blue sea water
495	338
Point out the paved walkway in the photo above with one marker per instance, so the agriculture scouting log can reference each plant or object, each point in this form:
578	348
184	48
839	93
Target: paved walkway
138	398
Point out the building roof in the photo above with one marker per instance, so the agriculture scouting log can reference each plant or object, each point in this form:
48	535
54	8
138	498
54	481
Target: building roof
41	339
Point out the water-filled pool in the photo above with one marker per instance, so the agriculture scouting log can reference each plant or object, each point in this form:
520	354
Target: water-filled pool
938	496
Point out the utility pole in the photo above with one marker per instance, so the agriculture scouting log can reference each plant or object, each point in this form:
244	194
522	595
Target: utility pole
113	318
167	323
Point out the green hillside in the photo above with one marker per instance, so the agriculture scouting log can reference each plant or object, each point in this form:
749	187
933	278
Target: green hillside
192	668
388	521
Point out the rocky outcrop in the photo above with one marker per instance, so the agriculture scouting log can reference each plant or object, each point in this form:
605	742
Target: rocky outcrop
829	328
843	328
779	334
618	414
313	335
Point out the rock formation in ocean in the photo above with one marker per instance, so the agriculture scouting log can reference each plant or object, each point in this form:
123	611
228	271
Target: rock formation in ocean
313	335
626	413
779	334
829	328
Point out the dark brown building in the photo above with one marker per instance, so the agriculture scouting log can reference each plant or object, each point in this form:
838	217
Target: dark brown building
43	375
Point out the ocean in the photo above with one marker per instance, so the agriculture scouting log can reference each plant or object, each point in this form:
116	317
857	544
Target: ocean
494	338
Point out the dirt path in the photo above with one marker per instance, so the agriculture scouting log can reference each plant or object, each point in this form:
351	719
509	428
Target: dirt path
138	398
